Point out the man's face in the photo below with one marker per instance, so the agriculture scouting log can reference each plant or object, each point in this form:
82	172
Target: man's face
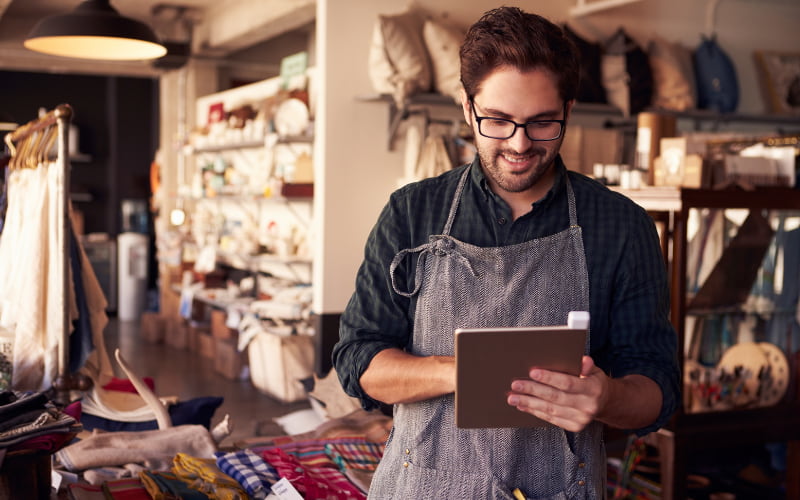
517	164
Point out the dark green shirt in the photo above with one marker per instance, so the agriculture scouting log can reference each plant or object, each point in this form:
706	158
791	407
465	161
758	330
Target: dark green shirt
629	299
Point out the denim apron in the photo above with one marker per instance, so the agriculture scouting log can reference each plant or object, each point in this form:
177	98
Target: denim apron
538	283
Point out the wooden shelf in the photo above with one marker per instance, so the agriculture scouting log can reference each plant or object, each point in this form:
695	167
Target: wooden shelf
687	433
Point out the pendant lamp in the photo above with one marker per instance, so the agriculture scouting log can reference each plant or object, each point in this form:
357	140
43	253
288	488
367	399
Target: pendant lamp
95	30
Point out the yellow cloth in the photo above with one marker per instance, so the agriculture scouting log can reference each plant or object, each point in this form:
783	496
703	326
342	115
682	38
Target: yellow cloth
204	475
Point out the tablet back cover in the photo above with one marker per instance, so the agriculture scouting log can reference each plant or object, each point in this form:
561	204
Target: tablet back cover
489	359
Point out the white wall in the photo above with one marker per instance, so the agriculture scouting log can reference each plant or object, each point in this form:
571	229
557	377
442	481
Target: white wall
355	171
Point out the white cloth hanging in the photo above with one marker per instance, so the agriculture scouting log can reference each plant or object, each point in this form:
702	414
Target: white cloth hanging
30	288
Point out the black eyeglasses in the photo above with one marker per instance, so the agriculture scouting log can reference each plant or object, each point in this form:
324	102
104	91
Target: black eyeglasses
535	130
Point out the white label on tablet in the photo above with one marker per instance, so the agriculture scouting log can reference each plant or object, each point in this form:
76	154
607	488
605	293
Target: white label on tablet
578	319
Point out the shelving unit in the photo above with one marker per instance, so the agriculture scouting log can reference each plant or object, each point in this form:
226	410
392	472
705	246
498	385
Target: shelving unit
698	118
689	431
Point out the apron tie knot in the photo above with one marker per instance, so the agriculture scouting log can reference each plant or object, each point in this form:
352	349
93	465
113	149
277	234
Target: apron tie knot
438	245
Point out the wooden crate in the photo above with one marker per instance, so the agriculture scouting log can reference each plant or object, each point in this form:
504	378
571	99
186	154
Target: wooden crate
228	361
206	345
219	329
152	327
176	333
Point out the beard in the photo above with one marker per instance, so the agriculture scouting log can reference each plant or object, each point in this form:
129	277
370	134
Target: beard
517	182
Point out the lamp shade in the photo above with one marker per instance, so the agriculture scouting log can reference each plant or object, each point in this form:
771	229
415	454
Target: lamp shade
95	30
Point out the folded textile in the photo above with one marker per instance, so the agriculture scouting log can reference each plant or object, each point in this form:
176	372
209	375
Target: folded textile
117	405
254	474
312	476
204	475
48	422
100	475
360	455
125	489
166	486
196	411
125	385
16	403
52	441
21	419
357	460
49	442
78	491
119	448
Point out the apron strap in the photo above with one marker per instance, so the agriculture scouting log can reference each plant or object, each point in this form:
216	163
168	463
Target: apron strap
573	210
418	273
456	199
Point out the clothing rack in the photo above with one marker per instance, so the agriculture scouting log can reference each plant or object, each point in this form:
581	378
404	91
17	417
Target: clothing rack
30	145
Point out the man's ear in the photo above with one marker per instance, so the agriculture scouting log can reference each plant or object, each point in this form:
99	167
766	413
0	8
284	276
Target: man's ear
465	106
568	109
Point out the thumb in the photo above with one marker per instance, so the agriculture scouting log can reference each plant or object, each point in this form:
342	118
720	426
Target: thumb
587	366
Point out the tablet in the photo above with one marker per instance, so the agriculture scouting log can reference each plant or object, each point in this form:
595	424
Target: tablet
489	359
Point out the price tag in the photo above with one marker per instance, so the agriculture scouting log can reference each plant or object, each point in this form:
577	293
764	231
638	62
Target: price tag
285	491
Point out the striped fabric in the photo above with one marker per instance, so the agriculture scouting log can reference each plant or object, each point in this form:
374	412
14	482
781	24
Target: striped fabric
358	455
317	468
313	473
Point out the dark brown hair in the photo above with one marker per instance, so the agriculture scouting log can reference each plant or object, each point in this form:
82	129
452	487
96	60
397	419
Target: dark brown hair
507	36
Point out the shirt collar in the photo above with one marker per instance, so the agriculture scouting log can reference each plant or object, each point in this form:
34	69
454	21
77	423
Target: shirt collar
478	178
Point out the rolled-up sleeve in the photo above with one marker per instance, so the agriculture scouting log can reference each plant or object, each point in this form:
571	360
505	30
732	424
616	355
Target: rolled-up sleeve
376	318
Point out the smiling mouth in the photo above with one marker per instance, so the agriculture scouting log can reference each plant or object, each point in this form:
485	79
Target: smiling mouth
517	161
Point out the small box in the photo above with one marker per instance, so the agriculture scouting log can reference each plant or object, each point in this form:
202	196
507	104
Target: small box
219	327
170	304
192	340
206	344
152	327
176	334
279	363
228	361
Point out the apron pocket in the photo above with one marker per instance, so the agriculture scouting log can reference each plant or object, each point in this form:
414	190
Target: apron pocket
420	482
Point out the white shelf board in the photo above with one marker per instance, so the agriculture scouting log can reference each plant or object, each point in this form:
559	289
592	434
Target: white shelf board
584	7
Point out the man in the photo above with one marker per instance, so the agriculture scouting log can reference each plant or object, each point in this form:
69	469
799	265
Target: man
511	240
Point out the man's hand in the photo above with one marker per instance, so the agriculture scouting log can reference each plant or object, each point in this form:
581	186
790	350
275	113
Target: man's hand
567	401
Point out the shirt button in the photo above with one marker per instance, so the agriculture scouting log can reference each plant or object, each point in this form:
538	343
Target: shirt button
405	464
581	482
408	451
581	465
501	220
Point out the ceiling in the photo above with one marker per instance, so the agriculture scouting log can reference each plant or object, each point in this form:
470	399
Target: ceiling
216	28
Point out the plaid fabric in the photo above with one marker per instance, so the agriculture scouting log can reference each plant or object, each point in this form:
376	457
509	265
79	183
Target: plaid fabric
204	475
356	455
313	473
250	470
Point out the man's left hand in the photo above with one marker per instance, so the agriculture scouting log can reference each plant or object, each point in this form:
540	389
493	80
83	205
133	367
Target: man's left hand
564	400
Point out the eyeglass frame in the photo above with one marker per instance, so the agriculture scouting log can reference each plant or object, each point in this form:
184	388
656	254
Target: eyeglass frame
524	126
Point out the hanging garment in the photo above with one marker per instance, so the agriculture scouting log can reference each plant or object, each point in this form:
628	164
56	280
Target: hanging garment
434	158
31	303
25	298
537	282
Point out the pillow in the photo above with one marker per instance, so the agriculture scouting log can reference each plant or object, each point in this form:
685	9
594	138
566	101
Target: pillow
398	61
591	83
673	76
627	76
443	44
